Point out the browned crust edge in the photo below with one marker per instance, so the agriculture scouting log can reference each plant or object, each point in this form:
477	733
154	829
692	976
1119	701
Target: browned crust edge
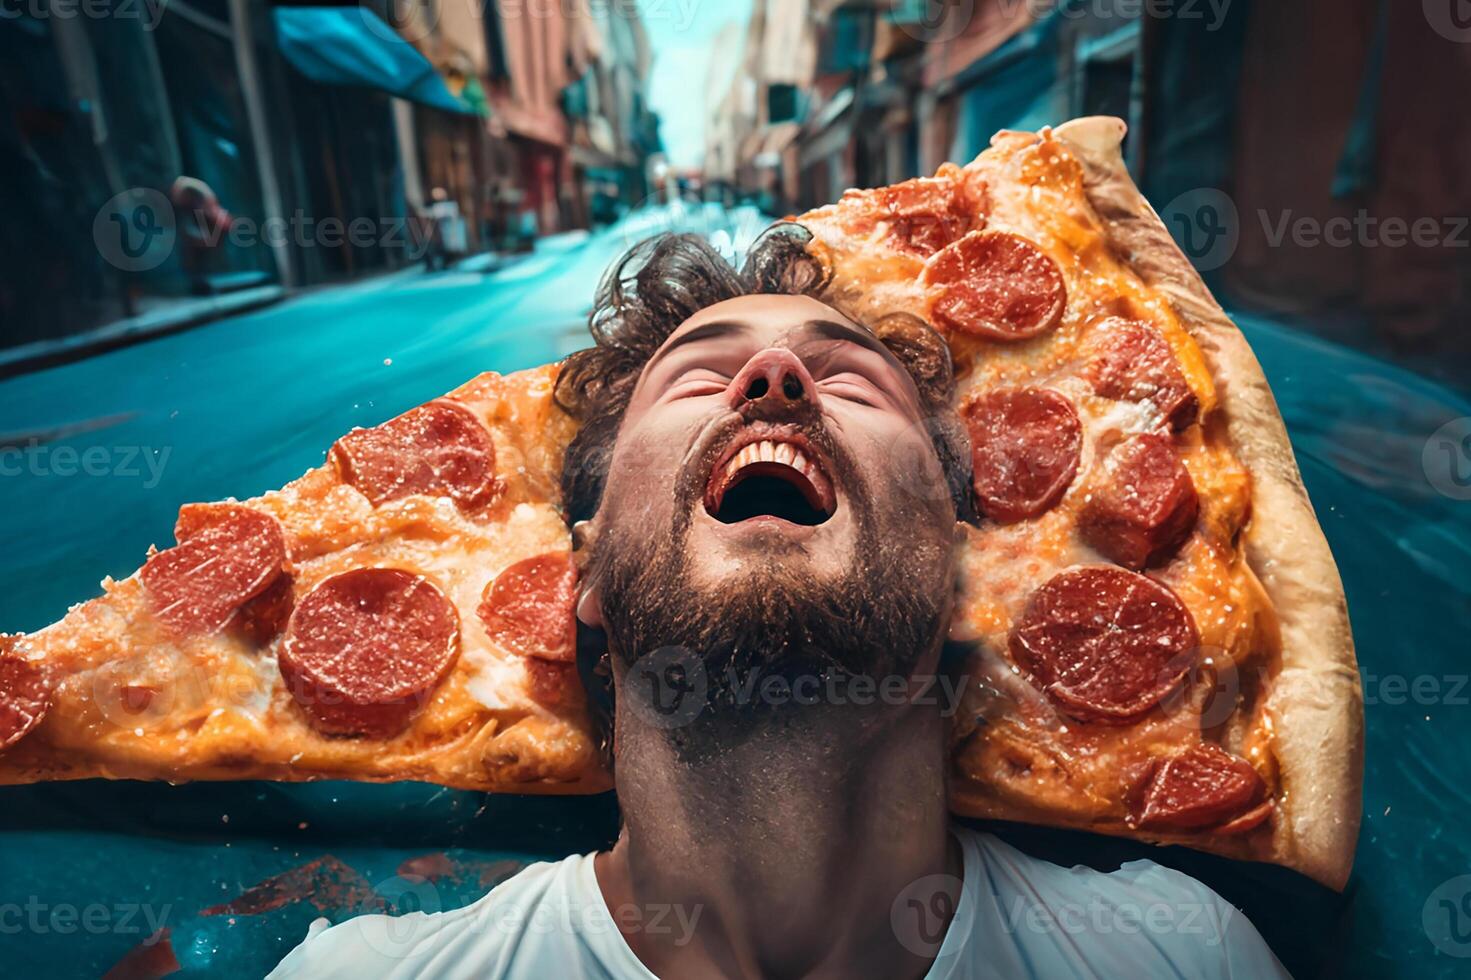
594	782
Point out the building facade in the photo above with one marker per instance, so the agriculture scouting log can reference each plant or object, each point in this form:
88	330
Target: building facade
168	162
1254	149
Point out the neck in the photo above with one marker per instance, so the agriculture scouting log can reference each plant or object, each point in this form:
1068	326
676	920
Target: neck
779	844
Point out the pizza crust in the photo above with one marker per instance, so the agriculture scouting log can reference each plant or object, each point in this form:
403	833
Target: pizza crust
1316	699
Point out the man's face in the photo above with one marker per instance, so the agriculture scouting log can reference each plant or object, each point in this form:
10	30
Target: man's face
752	511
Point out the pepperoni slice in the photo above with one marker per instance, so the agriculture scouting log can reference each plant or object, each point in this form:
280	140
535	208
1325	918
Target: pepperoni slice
1024	450
440	449
1248	821
1146	507
926	214
25	697
550	684
1104	644
365	649
530	608
995	285
1203	786
263	618
227	555
1131	362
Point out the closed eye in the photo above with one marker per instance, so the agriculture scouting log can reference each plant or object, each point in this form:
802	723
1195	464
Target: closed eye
853	388
697	384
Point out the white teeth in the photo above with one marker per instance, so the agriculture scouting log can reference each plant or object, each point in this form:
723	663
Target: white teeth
768	451
781	453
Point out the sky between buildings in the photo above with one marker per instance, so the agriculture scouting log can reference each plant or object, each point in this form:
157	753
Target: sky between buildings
683	33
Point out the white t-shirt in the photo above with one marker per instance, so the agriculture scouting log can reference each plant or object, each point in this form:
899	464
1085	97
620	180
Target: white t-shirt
1017	917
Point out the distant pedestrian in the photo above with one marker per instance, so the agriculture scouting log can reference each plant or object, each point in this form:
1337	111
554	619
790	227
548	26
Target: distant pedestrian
447	238
202	223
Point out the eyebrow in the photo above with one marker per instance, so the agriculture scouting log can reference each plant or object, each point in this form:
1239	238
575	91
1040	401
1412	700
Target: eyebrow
822	329
832	330
704	331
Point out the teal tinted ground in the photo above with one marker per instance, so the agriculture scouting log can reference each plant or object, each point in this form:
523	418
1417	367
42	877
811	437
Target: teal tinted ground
246	404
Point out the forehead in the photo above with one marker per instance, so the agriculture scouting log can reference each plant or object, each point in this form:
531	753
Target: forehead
769	319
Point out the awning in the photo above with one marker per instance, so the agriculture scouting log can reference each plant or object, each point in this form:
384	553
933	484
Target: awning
764	147
353	46
830	131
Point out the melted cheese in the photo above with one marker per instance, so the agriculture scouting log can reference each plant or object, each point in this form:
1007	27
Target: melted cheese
133	700
1022	750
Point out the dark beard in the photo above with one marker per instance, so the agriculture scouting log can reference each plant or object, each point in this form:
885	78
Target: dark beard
878	620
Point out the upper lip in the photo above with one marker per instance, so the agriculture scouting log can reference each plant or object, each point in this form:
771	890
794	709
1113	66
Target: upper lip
773	450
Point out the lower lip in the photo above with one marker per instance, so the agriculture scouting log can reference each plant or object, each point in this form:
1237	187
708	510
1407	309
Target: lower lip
761	524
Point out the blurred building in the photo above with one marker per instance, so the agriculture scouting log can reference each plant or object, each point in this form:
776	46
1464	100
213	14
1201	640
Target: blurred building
256	147
752	125
613	131
732	110
1325	132
452	153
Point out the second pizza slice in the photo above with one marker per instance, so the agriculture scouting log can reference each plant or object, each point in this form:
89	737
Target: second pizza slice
402	612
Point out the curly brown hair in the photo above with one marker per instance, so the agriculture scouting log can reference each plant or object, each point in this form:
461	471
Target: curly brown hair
662	282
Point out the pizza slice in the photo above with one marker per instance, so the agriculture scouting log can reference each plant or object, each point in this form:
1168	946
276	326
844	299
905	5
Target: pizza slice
1161	647
402	612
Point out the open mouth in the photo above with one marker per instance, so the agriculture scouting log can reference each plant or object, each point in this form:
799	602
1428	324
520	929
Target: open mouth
778	477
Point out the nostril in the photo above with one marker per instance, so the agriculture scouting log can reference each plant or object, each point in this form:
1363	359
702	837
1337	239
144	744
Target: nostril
757	389
791	386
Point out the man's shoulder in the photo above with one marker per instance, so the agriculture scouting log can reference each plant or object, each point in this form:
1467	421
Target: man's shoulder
1007	864
531	915
1142	912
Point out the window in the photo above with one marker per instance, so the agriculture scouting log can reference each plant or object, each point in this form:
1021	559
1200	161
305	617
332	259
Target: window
847	42
1104	74
497	66
783	103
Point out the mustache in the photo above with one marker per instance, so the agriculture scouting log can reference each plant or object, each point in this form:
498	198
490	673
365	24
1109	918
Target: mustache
805	420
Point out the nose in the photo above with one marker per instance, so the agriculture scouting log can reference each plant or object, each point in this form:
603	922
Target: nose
775	376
